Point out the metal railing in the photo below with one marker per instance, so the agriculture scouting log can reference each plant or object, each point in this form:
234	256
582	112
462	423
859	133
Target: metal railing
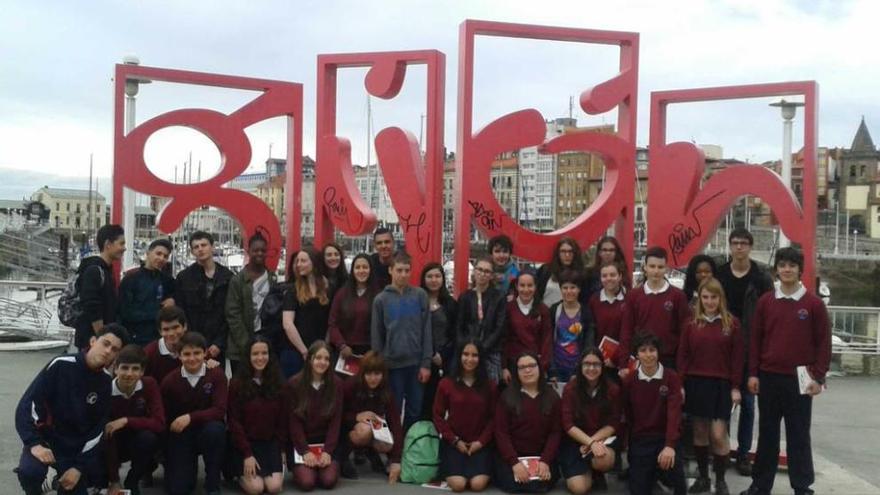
31	316
855	329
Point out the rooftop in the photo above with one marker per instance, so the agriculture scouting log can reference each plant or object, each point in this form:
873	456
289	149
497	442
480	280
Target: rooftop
60	193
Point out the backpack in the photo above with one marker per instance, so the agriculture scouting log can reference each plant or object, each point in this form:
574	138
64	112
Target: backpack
69	304
270	314
420	453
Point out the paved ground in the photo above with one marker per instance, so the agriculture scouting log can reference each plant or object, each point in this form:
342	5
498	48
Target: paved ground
846	432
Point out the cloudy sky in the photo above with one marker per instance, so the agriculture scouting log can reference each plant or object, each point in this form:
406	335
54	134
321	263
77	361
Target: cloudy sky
57	60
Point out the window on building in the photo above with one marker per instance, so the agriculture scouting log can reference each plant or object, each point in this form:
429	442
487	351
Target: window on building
57	207
68	207
852	171
862	171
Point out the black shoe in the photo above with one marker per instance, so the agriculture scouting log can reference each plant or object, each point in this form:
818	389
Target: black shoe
359	458
600	484
623	475
752	490
348	470
147	481
376	463
721	488
701	485
743	466
804	492
133	486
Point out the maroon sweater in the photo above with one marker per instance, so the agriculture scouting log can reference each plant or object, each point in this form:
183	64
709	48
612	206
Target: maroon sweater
354	403
706	351
350	325
653	408
143	409
787	334
159	365
664	315
608	317
317	423
465	412
258	418
204	403
533	332
590	418
528	433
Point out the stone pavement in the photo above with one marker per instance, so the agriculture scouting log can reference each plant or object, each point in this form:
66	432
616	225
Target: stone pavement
846	432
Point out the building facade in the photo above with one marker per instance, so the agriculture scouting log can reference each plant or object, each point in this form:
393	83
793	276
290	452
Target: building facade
857	177
73	209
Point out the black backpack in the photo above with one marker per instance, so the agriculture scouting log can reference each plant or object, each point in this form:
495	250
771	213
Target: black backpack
69	304
271	325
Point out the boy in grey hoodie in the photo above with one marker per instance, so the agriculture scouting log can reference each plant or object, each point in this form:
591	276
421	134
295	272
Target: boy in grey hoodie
401	332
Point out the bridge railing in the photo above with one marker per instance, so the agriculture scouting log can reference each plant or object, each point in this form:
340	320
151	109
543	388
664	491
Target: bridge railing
855	329
29	309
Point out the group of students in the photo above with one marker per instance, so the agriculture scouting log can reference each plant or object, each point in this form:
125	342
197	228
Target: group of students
509	373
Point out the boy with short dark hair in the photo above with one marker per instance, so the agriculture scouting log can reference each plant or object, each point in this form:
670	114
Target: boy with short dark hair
402	309
137	418
790	330
97	286
162	354
381	259
62	414
195	403
144	290
652	401
500	248
656	307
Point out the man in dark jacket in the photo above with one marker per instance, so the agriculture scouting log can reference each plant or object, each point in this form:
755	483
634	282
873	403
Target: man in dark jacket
144	291
380	261
744	282
97	286
201	290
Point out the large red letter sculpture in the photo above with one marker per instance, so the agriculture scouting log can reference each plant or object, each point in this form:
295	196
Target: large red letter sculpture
414	185
474	197
227	132
684	213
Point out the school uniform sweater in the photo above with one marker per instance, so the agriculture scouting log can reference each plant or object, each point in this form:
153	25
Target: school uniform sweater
159	361
653	407
144	408
65	408
354	403
204	402
257	418
465	413
350	324
608	317
532	332
317	422
590	418
705	350
664	314
787	333
530	432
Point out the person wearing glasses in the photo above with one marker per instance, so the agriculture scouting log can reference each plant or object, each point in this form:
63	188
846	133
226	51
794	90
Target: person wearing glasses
608	250
566	256
481	317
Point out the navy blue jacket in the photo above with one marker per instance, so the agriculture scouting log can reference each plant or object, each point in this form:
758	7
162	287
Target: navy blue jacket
65	409
141	293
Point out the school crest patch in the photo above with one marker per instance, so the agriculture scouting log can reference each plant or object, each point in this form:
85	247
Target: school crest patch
667	305
208	388
664	390
92	398
803	314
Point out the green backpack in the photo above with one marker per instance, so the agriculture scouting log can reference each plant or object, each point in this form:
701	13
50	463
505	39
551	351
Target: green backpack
420	453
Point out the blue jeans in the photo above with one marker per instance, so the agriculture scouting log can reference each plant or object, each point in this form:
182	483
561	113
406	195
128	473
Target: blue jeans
405	387
746	423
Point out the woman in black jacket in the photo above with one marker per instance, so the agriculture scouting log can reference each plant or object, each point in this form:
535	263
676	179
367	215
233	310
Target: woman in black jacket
444	311
481	316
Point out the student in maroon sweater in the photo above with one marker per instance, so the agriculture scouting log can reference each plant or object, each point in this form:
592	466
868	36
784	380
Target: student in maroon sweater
656	307
652	406
527	424
607	305
137	418
258	420
710	358
315	416
367	402
529	326
790	329
161	354
590	415
195	402
349	324
464	413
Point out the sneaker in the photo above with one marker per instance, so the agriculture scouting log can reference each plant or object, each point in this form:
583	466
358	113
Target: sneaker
721	488
743	466
701	485
347	470
752	490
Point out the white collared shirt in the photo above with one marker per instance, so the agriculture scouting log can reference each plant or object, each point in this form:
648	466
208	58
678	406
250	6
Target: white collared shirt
193	378
796	296
619	297
164	350
525	308
649	291
657	376
712	318
116	392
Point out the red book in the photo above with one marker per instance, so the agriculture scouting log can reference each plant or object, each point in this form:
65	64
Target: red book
349	366
609	347
314	448
531	464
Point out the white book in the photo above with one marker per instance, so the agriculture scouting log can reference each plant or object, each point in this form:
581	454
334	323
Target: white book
804	379
607	441
381	432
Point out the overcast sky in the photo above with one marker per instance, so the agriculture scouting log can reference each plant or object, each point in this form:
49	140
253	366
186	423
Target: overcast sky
57	60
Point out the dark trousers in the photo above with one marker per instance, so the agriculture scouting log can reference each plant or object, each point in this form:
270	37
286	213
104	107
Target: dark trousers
746	427
31	473
405	387
138	446
643	467
780	398
182	456
291	361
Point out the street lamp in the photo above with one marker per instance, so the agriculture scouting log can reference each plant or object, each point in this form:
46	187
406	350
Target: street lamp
788	108
132	84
